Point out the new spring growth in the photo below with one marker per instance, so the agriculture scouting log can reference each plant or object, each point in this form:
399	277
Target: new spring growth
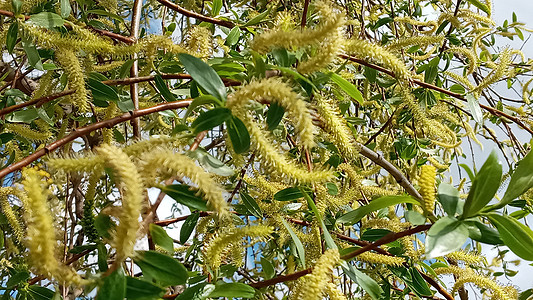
167	162
130	186
316	282
41	237
427	187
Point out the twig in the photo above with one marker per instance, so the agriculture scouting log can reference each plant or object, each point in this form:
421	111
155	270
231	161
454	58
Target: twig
82	131
134	71
195	15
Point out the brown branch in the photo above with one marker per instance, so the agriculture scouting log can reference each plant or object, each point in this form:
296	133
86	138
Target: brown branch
391	237
38	102
491	110
196	15
71	260
134	70
82	131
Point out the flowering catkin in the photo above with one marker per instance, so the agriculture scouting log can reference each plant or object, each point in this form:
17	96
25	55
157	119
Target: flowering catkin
130	185
316	282
427	186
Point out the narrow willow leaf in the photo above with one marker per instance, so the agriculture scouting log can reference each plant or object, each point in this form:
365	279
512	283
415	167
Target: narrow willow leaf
364	281
33	55
204	75
113	287
217	5
46	19
475	109
11	37
517	236
330	243
142	290
66	9
484	187
232	290
449	199
188	227
251	205
183	195
349	88
238	134
376	204
445	236
233	36
521	180
211	118
163	89
199	101
163	268
482	233
480	5
288	194
161	238
274	115
257	19
102	92
299	246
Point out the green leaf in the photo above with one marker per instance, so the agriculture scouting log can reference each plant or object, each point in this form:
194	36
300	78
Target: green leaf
251	205
415	217
17	5
469	172
517	236
125	104
274	115
267	268
257	19
102	224
17	278
201	100
113	287
211	163
124	70
521	180
330	243
217	5
46	19
183	195
475	109
346	86
449	199
288	194
480	5
33	55
233	36
364	281
23	116
204	75
41	293
238	134
188	227
11	37
163	268
66	9
482	233
102	257
210	119
376	204
161	238
484	187
200	291
445	236
299	246
102	92
232	290
163	89
419	284
140	289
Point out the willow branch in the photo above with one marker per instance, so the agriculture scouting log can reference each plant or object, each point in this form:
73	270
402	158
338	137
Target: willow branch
134	71
38	102
391	237
82	131
491	110
196	15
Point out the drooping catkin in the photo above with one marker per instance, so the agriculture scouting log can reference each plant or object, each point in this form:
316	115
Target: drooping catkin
7	209
166	160
129	183
41	235
316	282
70	63
427	186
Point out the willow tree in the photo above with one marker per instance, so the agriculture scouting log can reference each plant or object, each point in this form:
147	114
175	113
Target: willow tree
316	145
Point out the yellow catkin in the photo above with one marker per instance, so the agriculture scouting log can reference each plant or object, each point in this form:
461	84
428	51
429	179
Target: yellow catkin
468	53
199	41
178	164
130	185
217	246
7	209
316	282
422	41
334	293
500	71
274	90
41	239
497	291
377	258
330	22
336	126
419	24
25	131
468	257
427	186
70	63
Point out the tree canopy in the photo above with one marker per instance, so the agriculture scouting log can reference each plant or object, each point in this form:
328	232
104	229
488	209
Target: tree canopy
306	149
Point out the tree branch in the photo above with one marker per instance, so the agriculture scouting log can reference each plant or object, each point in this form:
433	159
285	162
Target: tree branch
82	131
196	15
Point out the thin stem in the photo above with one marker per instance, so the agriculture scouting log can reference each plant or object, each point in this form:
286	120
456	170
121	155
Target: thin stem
195	15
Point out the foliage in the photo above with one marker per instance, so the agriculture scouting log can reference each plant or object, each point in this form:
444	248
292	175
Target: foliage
298	141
